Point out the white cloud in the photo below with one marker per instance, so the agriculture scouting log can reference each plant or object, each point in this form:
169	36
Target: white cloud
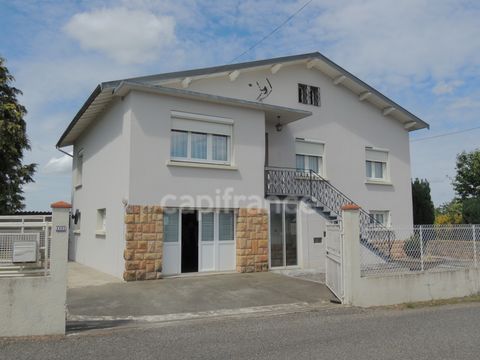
128	36
61	165
444	87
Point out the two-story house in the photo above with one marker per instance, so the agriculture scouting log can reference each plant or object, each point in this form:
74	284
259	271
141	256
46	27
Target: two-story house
232	168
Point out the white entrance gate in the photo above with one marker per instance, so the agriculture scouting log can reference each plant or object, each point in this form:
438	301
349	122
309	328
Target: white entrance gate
333	260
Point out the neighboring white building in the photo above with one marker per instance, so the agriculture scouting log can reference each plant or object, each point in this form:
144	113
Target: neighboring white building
171	172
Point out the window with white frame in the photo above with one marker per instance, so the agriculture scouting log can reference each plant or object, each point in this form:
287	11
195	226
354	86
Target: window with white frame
376	164
201	138
309	155
101	221
226	225
380	217
79	169
171	220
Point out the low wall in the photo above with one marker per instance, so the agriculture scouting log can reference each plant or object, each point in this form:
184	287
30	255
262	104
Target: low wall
390	289
426	286
32	306
36	305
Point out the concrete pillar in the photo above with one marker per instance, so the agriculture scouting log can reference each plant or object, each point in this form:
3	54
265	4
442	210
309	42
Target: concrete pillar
59	259
351	251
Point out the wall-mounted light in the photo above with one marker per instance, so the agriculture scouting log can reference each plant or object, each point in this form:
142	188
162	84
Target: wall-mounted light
279	125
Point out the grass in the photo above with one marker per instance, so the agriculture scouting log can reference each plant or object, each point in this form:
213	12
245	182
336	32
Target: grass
422	304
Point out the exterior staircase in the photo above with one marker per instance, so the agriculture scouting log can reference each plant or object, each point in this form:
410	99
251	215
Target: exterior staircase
327	201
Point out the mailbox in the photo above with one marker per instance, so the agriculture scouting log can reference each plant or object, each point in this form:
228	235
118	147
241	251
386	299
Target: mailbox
25	251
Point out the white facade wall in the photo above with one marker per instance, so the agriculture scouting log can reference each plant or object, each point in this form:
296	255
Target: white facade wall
105	181
344	123
152	178
346	126
131	143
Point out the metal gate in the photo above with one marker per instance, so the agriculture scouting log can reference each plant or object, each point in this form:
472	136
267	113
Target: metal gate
334	260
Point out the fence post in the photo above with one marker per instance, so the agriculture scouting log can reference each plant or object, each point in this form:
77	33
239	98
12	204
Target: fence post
421	247
351	252
59	242
474	246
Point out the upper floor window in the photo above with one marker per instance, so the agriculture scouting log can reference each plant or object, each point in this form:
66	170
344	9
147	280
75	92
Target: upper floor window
200	138
79	169
309	155
376	164
308	94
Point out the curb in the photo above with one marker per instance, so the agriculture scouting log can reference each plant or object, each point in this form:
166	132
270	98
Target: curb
80	323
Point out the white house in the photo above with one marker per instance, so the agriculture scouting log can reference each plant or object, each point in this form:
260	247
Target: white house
236	167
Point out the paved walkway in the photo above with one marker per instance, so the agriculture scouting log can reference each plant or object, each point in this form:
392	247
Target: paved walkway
80	276
110	297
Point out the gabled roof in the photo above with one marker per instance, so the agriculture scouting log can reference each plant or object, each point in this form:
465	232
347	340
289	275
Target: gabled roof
103	93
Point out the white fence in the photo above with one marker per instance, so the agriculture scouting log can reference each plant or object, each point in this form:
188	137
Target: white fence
25	245
420	248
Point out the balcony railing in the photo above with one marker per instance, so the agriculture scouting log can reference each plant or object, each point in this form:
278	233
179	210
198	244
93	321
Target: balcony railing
308	185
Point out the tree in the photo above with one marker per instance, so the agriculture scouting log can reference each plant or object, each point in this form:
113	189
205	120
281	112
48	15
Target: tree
467	180
423	209
449	213
13	142
471	210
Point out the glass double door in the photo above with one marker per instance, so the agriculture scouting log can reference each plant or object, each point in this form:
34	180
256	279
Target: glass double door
283	235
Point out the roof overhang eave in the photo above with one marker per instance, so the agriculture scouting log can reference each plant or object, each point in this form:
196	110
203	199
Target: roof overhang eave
281	114
61	143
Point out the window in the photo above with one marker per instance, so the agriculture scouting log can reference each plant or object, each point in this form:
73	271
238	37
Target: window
376	165
208	230
380	217
309	95
170	225
309	155
225	226
179	146
101	221
79	169
308	162
200	138
224	223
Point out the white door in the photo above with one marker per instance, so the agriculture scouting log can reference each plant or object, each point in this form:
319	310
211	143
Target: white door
216	241
226	252
171	242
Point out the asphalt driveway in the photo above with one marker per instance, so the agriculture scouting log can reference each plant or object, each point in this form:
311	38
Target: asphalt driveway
111	297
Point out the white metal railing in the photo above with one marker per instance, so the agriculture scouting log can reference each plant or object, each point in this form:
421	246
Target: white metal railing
419	248
24	228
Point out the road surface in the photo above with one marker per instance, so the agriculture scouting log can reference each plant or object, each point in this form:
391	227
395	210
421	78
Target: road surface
443	332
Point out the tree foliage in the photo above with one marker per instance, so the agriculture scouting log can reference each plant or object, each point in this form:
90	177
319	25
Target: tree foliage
471	210
449	213
467	180
13	142
423	209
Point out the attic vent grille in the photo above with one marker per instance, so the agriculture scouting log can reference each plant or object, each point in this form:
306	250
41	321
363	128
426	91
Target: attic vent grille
308	94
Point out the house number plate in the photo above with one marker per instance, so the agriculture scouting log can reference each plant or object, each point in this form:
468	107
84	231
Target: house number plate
61	228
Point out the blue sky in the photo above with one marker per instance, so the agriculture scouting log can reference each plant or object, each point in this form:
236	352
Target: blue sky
424	54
